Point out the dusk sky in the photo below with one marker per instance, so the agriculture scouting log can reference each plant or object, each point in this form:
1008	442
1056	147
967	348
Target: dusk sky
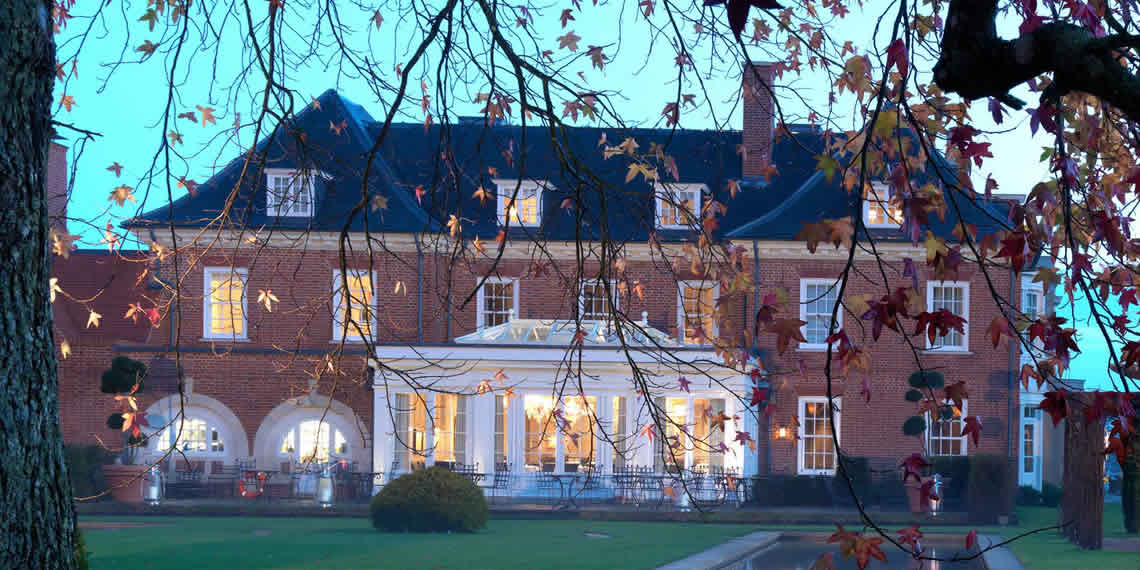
125	104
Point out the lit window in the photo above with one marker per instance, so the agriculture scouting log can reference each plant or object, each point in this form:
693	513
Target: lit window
696	306
878	211
817	299
411	426
450	428
671	447
355	317
224	303
678	206
944	434
1032	305
594	300
314	441
707	439
541	433
618	434
520	203
578	435
954	297
288	194
197	436
496	300
817	448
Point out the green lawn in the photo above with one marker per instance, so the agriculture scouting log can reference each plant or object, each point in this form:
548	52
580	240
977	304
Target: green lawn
1049	550
244	542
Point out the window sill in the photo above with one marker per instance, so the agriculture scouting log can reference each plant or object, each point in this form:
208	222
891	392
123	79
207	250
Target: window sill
348	341
224	339
951	351
816	473
811	348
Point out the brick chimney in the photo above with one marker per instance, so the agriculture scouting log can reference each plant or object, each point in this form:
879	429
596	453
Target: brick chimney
758	109
56	182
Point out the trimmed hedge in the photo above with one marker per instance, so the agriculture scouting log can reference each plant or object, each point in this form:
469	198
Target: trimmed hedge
85	466
1051	495
431	500
859	469
990	494
1027	496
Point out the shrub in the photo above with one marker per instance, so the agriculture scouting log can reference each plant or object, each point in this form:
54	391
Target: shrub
859	469
80	558
431	500
990	492
1027	496
1051	495
85	466
955	471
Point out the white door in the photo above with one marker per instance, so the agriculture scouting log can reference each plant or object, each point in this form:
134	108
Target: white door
1029	448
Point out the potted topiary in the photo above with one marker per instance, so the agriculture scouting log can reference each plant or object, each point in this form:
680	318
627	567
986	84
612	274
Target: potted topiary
124	380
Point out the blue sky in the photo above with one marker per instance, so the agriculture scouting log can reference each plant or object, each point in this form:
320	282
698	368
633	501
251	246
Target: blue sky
125	101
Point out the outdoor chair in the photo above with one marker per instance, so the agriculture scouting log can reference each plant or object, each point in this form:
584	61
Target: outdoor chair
547	486
187	484
590	488
223	481
501	482
624	484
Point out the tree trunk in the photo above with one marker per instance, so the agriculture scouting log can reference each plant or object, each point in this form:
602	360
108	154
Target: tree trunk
37	520
1082	505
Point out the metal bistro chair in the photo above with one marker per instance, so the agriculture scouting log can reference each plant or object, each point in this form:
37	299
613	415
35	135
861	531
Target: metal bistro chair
624	484
591	487
547	486
501	482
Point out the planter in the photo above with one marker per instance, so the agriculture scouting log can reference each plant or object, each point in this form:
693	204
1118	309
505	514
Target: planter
125	482
914	497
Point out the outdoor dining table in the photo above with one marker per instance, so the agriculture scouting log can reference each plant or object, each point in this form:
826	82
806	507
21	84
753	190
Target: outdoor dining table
565	490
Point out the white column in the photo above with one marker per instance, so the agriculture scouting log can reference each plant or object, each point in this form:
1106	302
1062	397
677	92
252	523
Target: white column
748	457
732	458
481	434
429	437
643	448
383	450
516	434
559	444
690	426
604	448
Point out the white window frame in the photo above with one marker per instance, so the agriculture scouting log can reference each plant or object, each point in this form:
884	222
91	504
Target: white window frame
294	429
800	449
1035	289
833	286
615	300
274	207
929	438
339	330
681	285
505	189
666	195
882	193
480	307
167	436
208	303
965	286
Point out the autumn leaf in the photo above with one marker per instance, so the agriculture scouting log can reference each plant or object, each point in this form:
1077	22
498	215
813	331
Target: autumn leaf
377	18
1055	404
267	298
67	101
147	49
190	186
971	539
121	194
379	203
828	165
64	349
93	319
569	41
116	168
998	327
565	17
175	137
972	426
896	55
400	287
786	331
420	194
483	195
479	246
337	128
53	284
738	11
597	58
453	225
207	115
912	467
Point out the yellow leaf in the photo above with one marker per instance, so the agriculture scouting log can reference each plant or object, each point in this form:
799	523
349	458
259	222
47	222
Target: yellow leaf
267	298
400	287
65	349
207	114
93	318
54	283
121	194
62	243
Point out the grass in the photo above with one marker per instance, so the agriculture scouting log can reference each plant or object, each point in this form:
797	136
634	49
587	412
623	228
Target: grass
248	542
1049	550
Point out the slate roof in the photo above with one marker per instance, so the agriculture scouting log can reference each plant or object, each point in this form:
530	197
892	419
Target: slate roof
601	202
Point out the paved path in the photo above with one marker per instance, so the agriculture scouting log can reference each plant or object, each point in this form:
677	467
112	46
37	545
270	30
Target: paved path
1000	558
728	555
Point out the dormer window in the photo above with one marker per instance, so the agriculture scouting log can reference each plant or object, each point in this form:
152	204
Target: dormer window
878	211
519	202
288	194
678	205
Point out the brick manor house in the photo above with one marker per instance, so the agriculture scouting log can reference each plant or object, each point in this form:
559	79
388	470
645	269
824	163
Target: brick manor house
259	382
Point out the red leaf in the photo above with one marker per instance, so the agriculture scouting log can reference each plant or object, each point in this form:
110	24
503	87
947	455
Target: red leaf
684	382
971	539
1055	404
972	427
910	536
913	466
758	396
896	55
786	331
